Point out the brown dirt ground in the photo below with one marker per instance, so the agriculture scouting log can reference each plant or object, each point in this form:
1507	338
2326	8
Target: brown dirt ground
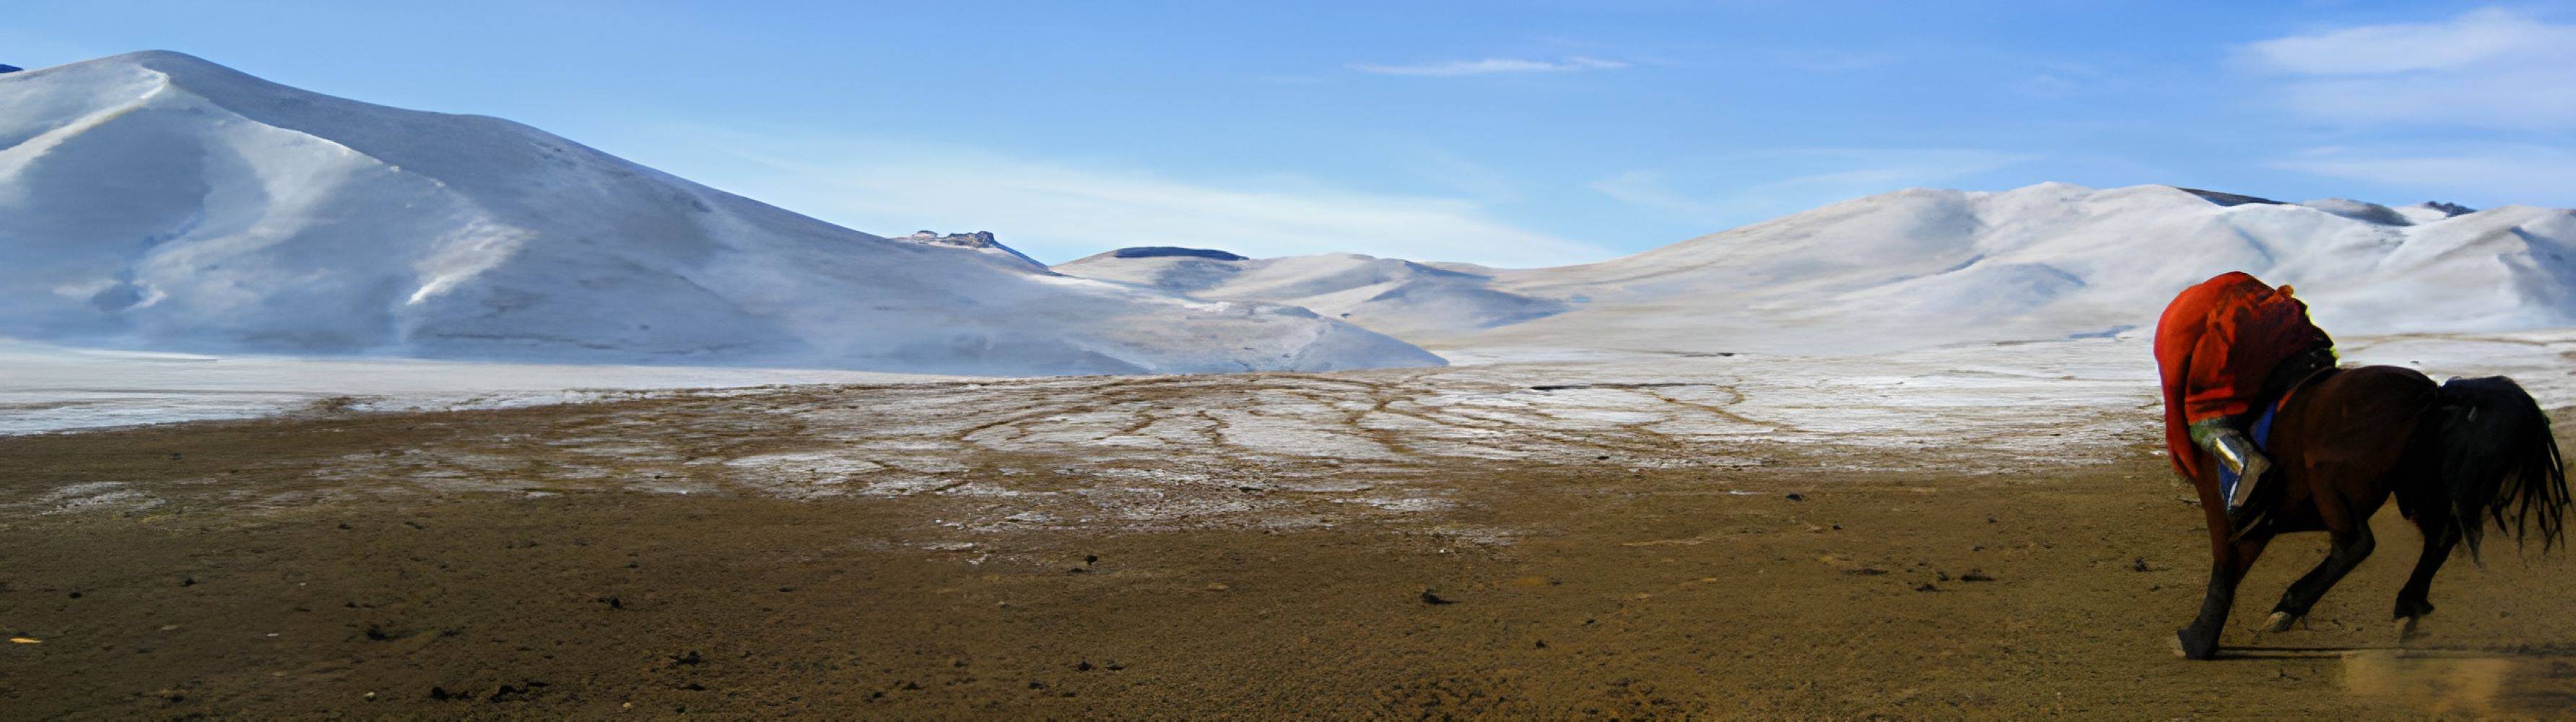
1629	594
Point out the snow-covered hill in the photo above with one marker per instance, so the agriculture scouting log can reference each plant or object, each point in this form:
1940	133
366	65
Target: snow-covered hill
157	201
1925	267
1396	297
979	241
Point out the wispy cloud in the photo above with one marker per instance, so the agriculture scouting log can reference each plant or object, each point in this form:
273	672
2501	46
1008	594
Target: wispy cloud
1814	177
1492	65
1653	191
2478	38
1059	211
2524	173
2061	79
2490	68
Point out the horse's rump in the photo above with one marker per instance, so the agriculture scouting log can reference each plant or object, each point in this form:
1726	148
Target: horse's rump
2351	421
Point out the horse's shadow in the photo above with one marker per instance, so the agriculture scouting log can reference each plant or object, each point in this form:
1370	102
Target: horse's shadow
2259	652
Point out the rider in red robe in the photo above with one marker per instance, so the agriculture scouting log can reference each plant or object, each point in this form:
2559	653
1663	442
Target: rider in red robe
2221	346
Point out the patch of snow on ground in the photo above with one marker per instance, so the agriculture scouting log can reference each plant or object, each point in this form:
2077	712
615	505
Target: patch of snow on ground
1271	451
53	388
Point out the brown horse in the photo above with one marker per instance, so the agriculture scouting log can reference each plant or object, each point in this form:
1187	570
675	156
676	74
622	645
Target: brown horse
2454	456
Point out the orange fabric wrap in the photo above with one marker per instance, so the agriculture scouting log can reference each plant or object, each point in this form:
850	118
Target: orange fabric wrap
2215	346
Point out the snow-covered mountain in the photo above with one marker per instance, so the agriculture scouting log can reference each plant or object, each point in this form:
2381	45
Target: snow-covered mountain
979	241
1928	267
157	201
1396	297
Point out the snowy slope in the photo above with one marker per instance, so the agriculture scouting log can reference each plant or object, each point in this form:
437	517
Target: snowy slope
1927	267
1924	267
979	241
1396	297
157	201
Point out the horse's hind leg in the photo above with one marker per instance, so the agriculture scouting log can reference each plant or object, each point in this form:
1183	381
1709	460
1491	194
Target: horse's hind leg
2413	600
2283	616
2352	544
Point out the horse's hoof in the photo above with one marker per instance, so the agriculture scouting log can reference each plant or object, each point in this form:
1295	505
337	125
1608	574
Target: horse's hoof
2280	622
2405	629
2185	647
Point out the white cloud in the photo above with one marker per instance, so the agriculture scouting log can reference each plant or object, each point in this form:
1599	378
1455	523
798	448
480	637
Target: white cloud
1815	177
2064	79
2536	100
1649	189
1058	212
2478	38
2490	68
2531	174
1492	65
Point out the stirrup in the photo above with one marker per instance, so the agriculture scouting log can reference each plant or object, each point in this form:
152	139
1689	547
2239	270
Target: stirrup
2242	520
2239	455
2237	452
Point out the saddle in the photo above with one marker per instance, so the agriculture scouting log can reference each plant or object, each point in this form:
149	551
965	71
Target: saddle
2294	373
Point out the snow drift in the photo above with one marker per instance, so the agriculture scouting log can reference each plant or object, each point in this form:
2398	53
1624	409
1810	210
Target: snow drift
1396	297
1926	267
157	201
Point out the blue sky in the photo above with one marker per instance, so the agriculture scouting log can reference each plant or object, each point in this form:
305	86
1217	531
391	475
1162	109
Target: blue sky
1511	133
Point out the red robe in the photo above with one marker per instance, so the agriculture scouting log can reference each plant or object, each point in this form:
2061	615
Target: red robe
2216	345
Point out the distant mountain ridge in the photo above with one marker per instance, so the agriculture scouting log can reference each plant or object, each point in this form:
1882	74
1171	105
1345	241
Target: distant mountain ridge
1391	296
158	201
1169	251
1927	267
982	241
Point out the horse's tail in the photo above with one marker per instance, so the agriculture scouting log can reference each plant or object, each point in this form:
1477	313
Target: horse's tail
2499	461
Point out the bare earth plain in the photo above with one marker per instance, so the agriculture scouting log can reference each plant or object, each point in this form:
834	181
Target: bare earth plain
1926	536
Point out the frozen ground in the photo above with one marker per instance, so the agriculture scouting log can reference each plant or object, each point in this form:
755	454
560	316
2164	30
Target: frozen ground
1981	408
1609	526
51	388
1237	450
1504	403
